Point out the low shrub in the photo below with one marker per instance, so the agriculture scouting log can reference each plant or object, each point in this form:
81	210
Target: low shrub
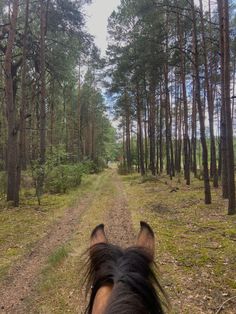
91	167
64	177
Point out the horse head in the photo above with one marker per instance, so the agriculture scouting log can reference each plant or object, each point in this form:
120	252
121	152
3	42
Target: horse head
123	281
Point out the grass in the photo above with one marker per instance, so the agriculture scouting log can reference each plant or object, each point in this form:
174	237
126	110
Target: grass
59	288
21	227
58	256
195	242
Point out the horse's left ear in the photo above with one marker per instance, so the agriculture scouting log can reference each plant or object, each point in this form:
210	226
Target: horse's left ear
98	235
146	238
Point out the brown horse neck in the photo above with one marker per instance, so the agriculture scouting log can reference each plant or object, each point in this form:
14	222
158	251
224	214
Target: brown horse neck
101	299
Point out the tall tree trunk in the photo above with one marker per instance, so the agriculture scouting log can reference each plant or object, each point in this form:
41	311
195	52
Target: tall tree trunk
146	137
210	103
200	110
52	117
140	132
157	139
180	137
12	190
127	128
185	102
22	124
161	131
167	121
194	137
176	126
152	129
223	8
224	170
42	133
79	119
172	164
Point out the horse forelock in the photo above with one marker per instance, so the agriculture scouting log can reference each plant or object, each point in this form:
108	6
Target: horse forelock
130	271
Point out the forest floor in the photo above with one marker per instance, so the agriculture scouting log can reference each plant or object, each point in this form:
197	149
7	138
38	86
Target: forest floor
41	268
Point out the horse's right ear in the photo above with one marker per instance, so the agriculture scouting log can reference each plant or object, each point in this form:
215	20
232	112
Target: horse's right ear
146	238
98	235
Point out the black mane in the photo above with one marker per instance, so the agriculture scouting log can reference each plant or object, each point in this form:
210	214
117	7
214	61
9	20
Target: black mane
136	289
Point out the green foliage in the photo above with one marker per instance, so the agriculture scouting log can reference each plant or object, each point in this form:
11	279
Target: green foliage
91	167
56	156
64	177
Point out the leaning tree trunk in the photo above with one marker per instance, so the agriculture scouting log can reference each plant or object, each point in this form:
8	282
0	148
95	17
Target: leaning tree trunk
12	191
200	110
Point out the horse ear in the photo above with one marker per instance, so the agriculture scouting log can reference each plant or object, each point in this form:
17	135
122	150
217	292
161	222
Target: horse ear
98	235
146	238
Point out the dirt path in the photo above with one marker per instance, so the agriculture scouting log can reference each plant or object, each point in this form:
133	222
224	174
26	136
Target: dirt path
23	277
118	219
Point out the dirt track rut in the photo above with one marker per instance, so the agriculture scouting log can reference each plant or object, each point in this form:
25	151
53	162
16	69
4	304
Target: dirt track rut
23	276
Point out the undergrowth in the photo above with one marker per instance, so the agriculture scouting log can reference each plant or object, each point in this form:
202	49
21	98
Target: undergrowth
195	242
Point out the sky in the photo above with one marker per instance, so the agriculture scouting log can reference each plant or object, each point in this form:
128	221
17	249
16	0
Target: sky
97	15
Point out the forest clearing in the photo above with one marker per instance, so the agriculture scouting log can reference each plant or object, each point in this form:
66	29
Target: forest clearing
118	113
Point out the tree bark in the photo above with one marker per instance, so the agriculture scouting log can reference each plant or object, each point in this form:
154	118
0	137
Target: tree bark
210	103
207	188
224	170
140	132
161	131
223	8
185	102
42	133
22	125
12	191
152	130
127	129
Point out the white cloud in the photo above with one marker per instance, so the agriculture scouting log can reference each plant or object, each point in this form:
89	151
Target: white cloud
97	16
